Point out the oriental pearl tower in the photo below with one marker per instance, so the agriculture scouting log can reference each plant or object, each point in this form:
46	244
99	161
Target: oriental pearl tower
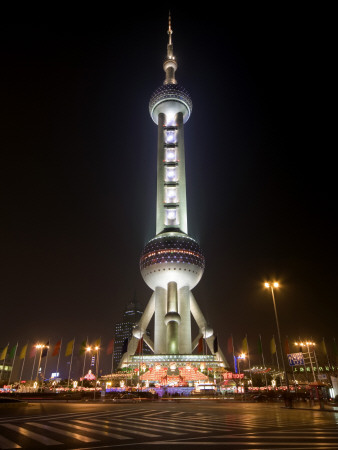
172	263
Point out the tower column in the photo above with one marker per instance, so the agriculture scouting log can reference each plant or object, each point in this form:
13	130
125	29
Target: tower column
159	327
172	319
185	345
182	210
160	213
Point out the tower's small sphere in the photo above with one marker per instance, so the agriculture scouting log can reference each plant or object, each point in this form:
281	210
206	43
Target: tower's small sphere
207	332
170	99
169	257
138	332
172	317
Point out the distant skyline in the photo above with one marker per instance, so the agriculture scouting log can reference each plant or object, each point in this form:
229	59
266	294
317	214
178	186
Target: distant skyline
79	170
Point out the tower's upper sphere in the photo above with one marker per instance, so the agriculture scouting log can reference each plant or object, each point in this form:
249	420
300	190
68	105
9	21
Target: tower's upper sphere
169	257
170	99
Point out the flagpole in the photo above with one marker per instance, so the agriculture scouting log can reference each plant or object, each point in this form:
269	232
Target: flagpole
34	362
70	365
84	362
233	351
3	362
44	370
112	363
10	375
57	365
327	355
23	363
266	380
247	343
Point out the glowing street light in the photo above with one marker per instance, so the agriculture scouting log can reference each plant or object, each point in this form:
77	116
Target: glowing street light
271	286
41	347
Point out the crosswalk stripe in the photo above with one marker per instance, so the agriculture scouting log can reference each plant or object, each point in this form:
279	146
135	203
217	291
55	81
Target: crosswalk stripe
182	426
184	423
79	437
153	427
91	430
7	444
126	429
30	434
295	445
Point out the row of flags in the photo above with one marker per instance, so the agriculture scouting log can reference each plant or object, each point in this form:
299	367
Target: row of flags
10	352
273	348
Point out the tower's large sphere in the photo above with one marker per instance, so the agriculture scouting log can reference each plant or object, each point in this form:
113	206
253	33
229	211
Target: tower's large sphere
170	99
172	257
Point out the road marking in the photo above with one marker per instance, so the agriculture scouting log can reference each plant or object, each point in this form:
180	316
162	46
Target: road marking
30	434
153	427
187	425
6	443
182	426
91	430
79	437
126	429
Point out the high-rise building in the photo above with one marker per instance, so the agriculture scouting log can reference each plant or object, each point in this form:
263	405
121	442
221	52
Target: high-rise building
172	263
124	330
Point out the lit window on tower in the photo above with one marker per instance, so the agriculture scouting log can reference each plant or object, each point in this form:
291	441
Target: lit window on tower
171	217
170	136
170	154
170	195
171	174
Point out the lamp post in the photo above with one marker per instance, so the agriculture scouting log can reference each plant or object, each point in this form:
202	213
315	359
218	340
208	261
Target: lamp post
271	286
41	347
97	348
240	357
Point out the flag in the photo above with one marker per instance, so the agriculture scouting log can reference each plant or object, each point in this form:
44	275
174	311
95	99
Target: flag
45	350
3	353
245	347
69	348
32	352
12	351
200	345
230	345
110	347
23	352
215	345
139	346
83	346
56	349
286	346
259	345
125	345
273	345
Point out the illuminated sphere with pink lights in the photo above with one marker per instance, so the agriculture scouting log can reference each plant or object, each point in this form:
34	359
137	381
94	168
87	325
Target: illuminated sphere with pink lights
170	257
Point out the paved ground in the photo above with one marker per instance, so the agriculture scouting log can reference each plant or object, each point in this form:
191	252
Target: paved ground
167	425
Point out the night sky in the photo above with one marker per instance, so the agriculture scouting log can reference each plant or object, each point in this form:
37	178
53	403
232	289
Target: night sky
78	171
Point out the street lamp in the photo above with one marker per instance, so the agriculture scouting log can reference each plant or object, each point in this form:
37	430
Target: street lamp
270	286
96	348
239	357
41	347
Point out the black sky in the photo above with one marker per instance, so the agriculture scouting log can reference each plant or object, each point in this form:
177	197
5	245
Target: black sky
78	169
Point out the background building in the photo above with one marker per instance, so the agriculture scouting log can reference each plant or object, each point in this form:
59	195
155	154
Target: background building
124	330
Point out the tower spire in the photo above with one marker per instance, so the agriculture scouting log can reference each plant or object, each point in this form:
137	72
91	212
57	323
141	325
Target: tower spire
170	32
170	65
